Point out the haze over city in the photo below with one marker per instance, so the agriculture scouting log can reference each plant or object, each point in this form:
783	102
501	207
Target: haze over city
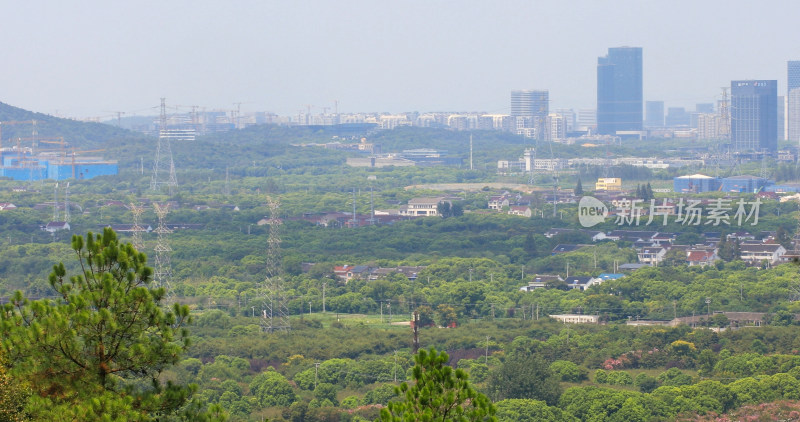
89	58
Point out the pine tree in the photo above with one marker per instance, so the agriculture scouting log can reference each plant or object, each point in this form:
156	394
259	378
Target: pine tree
579	188
99	348
439	393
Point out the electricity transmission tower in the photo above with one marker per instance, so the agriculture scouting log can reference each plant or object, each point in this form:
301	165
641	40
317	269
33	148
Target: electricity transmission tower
794	255
163	266
724	125
55	202
66	204
163	166
276	311
137	229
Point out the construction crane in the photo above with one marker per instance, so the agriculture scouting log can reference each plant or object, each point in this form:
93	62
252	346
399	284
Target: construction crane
58	140
73	153
119	116
17	122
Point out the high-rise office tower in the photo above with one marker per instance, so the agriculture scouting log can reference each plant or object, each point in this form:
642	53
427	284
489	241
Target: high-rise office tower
677	117
530	103
654	116
754	115
793	97
619	90
569	116
704	108
587	119
530	107
781	117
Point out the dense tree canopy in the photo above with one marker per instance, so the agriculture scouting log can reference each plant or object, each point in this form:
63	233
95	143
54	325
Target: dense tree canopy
438	393
100	347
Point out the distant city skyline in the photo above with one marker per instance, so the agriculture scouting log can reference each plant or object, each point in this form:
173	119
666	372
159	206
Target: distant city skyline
84	59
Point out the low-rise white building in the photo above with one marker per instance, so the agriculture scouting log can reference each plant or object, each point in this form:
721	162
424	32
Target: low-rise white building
771	252
577	318
422	207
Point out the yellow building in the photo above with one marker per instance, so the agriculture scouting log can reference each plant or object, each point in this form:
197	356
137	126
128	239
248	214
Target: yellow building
608	183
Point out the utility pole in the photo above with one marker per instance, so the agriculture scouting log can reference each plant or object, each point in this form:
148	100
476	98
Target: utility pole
470	153
323	296
316	370
395	366
355	221
487	350
415	345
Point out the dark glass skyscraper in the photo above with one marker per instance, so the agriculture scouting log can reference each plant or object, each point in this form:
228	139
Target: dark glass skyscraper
754	115
619	90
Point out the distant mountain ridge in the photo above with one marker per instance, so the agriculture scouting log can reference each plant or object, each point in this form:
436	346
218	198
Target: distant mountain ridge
77	134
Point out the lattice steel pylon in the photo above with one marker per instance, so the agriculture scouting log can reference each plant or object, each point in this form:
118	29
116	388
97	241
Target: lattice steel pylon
162	274
724	122
66	204
276	312
163	165
137	228
794	257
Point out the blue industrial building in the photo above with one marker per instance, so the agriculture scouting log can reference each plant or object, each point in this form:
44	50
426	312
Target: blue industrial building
696	183
745	184
27	167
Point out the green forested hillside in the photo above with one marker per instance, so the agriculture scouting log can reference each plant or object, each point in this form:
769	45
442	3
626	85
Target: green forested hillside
342	364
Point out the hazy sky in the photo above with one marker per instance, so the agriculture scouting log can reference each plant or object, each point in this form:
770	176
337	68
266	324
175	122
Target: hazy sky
89	58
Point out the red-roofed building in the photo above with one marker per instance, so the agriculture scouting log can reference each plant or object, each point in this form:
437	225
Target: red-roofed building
522	211
701	258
